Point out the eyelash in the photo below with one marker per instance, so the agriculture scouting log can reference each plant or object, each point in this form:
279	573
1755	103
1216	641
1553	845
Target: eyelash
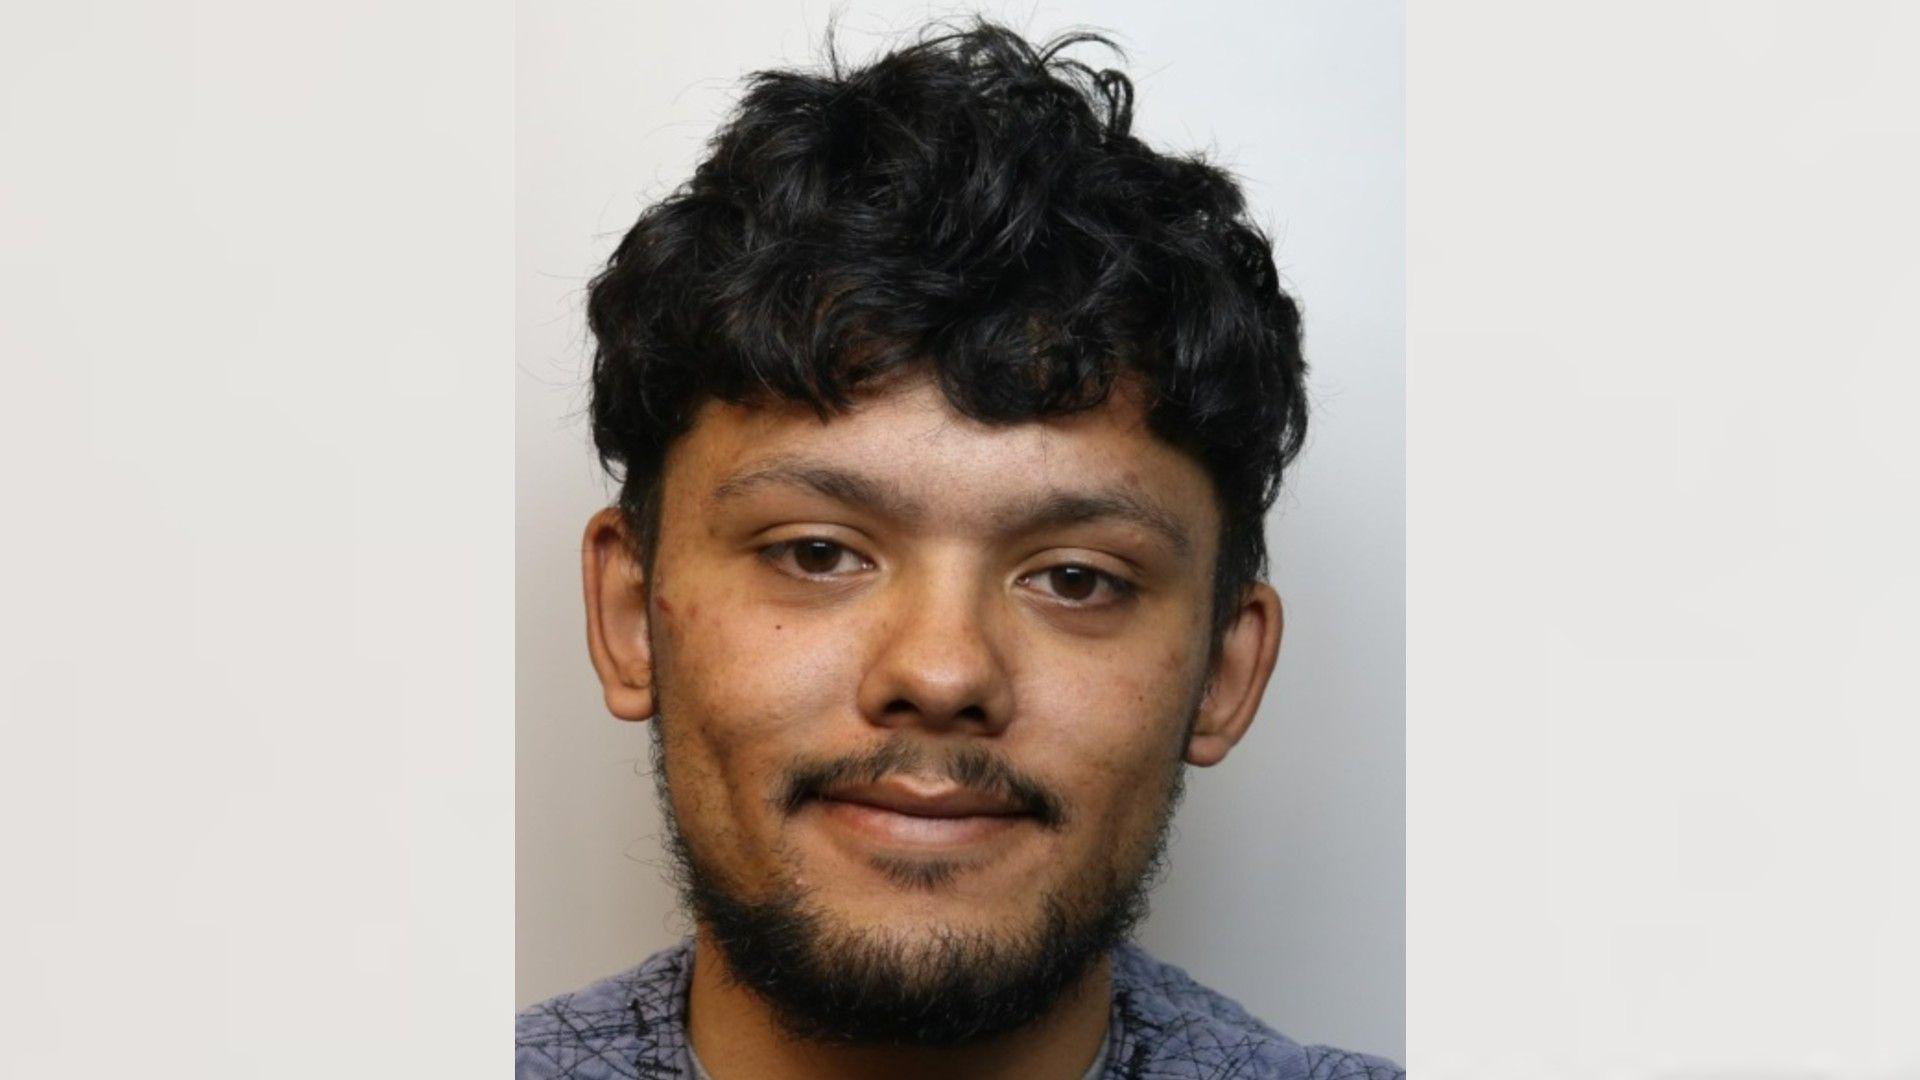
1120	588
779	555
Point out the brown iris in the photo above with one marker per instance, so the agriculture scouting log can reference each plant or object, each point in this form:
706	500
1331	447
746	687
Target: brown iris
816	556
1073	582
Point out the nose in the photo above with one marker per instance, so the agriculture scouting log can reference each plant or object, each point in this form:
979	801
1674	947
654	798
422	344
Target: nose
938	663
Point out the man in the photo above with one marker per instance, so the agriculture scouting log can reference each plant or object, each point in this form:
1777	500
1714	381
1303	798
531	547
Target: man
948	415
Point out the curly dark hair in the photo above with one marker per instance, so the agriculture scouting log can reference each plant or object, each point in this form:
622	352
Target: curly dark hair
975	205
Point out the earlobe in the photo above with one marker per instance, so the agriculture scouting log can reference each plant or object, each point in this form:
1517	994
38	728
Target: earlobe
1238	681
616	600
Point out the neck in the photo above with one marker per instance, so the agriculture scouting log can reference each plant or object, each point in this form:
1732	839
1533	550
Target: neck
735	1034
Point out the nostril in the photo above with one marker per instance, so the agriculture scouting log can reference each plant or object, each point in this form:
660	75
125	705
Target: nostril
906	708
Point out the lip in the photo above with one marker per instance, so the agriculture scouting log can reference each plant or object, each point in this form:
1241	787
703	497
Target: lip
902	815
941	801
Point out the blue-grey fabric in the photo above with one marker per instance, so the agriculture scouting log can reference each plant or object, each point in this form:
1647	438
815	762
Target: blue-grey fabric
1093	1072
1164	1025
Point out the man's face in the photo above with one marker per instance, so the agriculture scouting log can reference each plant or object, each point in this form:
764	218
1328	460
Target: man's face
924	682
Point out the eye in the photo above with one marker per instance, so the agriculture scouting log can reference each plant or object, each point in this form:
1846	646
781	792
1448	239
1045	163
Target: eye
1080	585
811	556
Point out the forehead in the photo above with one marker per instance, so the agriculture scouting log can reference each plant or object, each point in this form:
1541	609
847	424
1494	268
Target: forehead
909	437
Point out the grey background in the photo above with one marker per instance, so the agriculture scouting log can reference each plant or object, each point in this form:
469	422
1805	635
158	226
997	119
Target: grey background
1287	882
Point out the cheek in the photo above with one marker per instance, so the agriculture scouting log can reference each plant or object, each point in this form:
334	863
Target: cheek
747	669
1117	727
744	694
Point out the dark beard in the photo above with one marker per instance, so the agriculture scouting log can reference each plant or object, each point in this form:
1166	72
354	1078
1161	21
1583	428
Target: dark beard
831	985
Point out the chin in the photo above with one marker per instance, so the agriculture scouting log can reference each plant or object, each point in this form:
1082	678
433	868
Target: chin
904	981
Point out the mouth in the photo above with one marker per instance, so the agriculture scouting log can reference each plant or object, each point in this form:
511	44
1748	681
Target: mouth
904	815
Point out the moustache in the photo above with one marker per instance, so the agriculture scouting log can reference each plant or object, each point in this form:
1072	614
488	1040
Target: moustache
972	767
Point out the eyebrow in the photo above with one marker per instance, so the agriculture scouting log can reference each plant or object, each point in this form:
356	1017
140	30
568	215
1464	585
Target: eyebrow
1052	509
835	483
1059	508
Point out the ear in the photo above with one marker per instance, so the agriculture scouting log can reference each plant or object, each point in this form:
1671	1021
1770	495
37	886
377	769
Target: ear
616	592
1239	677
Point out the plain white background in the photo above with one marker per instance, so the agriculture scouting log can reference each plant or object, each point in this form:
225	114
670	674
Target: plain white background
1662	265
1286	881
256	434
256	317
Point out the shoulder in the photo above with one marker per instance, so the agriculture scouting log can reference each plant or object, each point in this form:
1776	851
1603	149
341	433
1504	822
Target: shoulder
1170	1025
628	1025
1327	1063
